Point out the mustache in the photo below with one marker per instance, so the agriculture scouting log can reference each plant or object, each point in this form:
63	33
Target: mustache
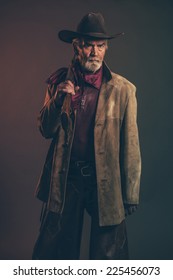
94	59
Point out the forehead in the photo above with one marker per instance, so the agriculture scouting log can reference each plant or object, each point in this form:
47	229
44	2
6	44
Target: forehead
94	42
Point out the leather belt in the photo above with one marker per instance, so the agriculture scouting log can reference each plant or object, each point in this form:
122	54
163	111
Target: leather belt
84	168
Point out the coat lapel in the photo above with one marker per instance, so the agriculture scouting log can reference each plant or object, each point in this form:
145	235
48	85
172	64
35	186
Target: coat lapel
105	92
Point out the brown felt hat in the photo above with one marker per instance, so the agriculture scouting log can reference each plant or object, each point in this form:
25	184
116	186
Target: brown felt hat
91	26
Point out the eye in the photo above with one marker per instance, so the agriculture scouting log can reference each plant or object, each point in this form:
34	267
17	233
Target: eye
101	46
87	45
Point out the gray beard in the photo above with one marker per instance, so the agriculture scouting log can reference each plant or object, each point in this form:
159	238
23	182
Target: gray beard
91	66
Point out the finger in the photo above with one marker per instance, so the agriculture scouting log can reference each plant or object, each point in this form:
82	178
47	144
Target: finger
69	83
66	88
65	84
77	88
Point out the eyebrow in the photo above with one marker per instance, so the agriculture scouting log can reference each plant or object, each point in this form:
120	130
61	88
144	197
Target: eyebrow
97	44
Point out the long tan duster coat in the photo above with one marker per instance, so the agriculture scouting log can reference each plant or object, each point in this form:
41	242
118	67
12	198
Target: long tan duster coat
116	143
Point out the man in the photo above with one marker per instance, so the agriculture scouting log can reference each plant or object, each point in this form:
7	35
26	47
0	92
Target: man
94	158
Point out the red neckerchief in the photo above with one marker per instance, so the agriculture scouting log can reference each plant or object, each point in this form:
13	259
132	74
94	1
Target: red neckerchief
94	79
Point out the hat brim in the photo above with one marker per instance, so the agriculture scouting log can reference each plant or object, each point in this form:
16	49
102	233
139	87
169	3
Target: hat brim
68	36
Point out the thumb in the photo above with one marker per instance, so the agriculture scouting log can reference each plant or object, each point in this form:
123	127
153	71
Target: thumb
77	88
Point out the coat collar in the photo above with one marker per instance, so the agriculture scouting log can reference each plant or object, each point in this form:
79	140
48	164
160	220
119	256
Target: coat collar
106	72
105	91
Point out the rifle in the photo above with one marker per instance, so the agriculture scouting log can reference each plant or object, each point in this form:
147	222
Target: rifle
66	107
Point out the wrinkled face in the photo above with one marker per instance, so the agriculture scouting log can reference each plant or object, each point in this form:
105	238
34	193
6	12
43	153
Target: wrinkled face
91	54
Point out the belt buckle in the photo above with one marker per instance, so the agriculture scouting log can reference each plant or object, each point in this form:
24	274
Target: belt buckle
79	163
84	174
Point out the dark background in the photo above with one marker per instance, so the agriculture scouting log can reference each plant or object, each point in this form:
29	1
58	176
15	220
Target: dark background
29	53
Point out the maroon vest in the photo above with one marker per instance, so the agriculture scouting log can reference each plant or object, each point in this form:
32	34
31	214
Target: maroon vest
85	101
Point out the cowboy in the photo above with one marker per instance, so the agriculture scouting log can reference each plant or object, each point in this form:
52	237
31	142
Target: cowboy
94	161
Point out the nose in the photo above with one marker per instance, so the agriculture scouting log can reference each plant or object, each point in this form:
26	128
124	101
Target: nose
94	50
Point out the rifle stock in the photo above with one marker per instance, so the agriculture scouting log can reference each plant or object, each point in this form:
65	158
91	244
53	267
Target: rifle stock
66	107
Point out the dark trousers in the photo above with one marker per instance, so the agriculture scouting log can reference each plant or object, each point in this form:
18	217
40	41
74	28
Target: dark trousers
60	235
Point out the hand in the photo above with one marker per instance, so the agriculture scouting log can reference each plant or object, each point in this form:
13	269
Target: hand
67	87
130	208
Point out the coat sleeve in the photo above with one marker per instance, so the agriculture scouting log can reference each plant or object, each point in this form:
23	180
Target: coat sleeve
50	115
130	158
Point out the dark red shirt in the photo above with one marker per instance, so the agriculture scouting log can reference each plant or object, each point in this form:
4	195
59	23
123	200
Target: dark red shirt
86	102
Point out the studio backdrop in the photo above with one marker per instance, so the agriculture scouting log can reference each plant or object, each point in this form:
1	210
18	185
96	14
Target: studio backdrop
29	52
